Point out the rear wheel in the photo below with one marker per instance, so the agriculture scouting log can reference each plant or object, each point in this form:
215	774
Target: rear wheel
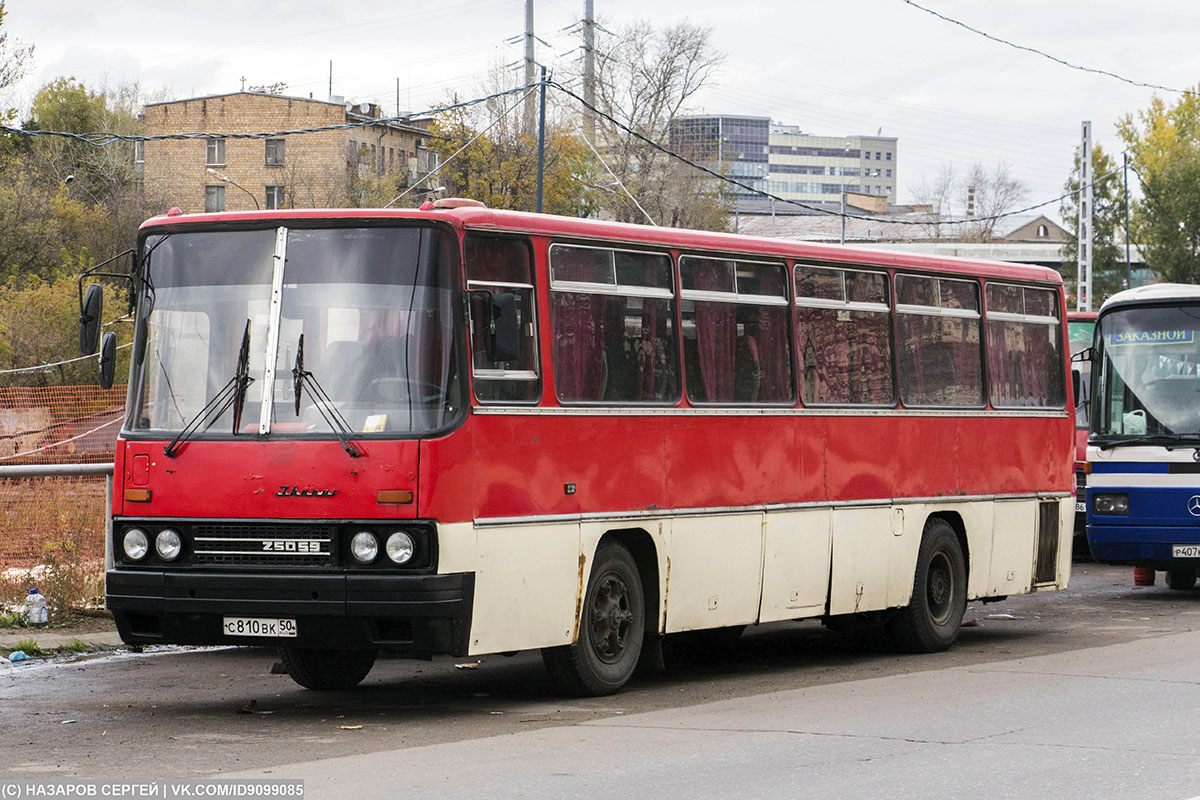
1181	579
931	620
613	621
327	669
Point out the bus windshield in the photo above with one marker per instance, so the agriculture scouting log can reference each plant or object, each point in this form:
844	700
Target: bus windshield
1149	361
368	311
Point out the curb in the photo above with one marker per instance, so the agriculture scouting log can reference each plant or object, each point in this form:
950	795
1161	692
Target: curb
96	640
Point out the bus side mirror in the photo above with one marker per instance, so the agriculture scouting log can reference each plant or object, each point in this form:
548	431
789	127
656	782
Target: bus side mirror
108	359
502	331
90	307
1083	356
1076	384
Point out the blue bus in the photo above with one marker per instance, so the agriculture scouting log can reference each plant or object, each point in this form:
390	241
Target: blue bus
1143	493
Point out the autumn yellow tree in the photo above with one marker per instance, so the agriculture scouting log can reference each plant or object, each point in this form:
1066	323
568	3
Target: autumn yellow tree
1164	149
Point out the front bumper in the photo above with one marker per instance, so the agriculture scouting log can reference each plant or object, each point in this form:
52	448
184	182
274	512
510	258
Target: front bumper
1141	545
413	614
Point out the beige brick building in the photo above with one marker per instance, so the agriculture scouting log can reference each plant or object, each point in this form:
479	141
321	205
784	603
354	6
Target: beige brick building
330	169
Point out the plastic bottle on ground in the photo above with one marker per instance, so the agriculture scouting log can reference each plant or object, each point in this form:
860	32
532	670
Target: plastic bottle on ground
36	613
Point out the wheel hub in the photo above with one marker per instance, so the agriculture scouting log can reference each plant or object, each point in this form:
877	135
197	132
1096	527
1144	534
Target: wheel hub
611	618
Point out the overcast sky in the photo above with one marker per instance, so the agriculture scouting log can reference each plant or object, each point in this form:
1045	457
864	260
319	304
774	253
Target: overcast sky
834	67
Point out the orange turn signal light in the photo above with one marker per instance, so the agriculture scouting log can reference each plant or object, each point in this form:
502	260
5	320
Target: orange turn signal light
137	495
394	496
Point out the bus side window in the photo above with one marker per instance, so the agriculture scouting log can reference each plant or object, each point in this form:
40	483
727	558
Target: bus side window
612	313
1024	341
938	338
735	331
503	265
844	336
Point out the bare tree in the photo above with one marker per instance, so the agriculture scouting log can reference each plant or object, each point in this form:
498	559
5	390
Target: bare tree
981	194
996	192
14	58
644	80
937	195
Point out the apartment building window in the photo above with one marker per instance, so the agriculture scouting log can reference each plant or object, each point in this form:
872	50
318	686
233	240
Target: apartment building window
214	153
889	156
275	152
214	198
274	197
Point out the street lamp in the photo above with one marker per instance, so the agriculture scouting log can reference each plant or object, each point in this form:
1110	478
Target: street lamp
426	192
227	179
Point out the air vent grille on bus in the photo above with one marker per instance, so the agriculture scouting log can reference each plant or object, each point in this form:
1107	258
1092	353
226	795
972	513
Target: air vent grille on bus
1045	570
260	545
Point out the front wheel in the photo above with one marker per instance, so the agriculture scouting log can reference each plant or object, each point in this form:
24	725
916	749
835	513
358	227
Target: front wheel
611	627
327	669
1181	579
931	620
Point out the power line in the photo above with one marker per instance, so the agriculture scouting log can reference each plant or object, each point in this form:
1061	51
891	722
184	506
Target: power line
495	122
45	367
105	138
1043	54
798	203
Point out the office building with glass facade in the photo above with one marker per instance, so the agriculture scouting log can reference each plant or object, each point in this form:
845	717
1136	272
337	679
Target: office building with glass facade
787	162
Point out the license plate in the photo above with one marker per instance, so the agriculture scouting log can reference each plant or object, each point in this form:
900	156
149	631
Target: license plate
257	626
1080	508
1185	551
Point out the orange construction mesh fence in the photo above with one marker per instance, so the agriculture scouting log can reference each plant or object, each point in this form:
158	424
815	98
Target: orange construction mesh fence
52	529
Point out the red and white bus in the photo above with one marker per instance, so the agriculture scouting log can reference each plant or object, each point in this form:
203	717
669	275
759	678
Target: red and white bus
466	431
1081	328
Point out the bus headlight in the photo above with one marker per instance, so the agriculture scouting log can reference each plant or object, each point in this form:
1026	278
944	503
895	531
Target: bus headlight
400	547
135	544
168	544
1110	503
364	547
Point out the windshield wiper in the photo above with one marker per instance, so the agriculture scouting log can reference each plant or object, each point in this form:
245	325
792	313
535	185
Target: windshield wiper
1169	440
232	394
333	418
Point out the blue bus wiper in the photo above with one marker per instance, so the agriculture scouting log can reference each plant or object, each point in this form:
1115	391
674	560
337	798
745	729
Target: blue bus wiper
232	394
1169	440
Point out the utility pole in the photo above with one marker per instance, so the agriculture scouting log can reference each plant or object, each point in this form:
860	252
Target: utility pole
589	67
530	106
1083	298
541	169
1128	271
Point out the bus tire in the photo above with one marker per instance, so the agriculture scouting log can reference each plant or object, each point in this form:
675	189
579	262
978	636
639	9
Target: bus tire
1181	579
931	620
611	627
327	669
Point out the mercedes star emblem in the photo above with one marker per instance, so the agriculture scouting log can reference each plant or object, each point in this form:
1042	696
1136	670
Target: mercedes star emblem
1194	505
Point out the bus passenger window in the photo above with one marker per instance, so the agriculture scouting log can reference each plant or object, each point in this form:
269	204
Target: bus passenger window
735	331
844	336
938	337
1024	342
503	265
612	314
